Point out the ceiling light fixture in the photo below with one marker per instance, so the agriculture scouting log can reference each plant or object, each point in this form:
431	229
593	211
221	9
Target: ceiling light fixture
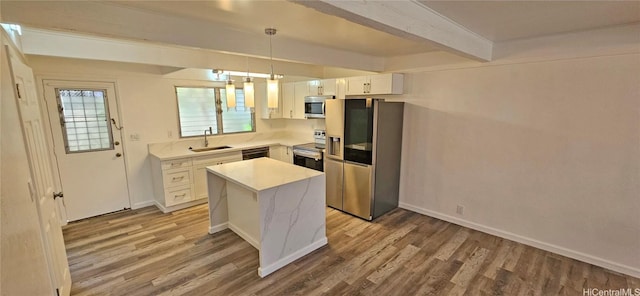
249	102
222	75
231	94
272	82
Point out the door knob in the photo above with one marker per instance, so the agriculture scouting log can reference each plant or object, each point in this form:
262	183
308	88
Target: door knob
57	194
116	143
118	154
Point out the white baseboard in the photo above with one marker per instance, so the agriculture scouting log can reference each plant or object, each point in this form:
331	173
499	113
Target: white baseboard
143	204
180	206
218	228
252	241
635	272
264	271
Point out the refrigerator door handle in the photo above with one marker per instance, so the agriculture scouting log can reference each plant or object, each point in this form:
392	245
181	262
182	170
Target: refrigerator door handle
357	163
327	156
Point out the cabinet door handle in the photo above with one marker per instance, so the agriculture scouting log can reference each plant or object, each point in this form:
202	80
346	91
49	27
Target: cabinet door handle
181	195
177	178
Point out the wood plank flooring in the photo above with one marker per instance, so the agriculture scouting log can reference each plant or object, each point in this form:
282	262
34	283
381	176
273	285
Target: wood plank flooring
146	252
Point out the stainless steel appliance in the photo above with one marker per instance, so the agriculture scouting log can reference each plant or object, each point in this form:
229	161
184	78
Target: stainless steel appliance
362	160
310	155
314	106
255	153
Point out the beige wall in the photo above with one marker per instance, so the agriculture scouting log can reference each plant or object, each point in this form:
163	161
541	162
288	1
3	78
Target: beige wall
547	153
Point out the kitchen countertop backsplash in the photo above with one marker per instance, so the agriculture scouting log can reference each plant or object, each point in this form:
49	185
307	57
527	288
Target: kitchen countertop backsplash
180	148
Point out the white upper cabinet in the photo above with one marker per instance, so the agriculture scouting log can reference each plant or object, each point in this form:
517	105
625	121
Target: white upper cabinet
291	100
322	87
300	90
288	98
381	84
293	94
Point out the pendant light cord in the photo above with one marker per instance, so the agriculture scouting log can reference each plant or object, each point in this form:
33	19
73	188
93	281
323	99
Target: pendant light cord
247	67
271	54
271	32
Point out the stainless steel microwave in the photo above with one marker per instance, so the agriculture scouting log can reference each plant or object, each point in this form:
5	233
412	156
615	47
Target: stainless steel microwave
314	106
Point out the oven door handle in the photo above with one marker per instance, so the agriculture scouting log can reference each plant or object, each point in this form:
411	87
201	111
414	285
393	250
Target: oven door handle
314	155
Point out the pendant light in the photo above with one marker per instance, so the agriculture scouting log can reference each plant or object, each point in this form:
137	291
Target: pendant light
231	94
272	82
249	102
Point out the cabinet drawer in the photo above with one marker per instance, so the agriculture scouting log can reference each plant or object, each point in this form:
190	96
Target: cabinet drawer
177	196
218	158
176	164
179	177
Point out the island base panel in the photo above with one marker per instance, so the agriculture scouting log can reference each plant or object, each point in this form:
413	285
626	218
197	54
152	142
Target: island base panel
218	214
244	213
265	271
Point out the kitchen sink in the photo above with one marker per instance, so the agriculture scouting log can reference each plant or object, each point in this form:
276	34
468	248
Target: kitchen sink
203	149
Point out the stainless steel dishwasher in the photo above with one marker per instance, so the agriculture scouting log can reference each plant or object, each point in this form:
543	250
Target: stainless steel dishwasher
255	153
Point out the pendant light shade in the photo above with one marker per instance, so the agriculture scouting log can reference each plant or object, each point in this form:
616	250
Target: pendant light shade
272	82
249	101
272	93
231	94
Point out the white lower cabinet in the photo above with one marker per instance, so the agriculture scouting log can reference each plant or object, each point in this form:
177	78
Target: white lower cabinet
281	153
181	183
178	195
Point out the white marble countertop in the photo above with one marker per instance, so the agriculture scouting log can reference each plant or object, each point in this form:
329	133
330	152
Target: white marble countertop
262	173
179	151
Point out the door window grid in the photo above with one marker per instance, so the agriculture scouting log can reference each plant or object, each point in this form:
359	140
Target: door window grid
84	116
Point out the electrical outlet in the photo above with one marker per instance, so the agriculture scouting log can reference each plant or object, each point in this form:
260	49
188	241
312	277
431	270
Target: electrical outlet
169	134
460	210
134	137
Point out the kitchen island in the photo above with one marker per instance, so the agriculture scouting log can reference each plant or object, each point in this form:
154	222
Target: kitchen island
277	207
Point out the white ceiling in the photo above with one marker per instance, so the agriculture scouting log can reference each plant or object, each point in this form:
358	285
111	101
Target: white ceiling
324	36
508	20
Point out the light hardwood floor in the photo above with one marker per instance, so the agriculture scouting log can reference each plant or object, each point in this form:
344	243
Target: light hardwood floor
146	252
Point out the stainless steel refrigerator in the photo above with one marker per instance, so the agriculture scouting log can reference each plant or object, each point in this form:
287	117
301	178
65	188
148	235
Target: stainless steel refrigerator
362	159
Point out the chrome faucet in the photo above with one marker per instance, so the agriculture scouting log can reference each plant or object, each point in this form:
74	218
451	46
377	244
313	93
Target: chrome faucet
206	142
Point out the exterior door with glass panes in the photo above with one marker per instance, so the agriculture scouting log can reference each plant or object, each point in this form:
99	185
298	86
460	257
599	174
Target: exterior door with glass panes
87	137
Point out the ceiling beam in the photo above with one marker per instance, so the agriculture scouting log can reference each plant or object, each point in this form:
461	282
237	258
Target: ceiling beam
408	19
109	19
172	58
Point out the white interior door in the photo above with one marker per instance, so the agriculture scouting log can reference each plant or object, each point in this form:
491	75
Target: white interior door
88	146
42	171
